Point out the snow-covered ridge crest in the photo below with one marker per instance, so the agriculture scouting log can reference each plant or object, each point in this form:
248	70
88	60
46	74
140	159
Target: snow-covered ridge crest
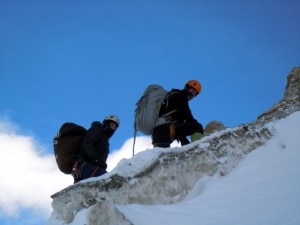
170	173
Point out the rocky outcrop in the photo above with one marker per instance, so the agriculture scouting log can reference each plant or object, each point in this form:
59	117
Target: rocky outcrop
174	172
290	102
213	126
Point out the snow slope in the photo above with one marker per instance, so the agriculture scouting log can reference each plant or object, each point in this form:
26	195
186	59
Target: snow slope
262	187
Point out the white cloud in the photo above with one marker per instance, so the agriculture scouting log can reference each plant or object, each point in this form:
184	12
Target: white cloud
28	178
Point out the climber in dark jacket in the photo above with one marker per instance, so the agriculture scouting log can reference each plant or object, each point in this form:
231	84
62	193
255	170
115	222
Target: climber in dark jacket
91	160
176	121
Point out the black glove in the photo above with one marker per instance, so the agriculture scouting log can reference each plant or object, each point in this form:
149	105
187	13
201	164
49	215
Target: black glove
200	128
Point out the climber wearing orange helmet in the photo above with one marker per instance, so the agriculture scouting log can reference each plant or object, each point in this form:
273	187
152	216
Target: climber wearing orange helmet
176	121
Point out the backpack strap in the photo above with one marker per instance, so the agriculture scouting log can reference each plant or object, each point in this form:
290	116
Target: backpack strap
166	102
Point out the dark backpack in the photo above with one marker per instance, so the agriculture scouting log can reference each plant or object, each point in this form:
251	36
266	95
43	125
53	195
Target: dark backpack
67	144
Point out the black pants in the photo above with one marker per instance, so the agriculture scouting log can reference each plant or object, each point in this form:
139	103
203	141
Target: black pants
165	134
84	170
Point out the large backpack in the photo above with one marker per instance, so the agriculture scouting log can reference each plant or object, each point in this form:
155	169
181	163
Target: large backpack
147	109
67	144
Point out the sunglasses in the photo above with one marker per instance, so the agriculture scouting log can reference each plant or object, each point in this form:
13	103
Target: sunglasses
193	92
113	125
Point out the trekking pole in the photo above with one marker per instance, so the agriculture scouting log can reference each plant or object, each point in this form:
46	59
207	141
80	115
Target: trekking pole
134	133
133	146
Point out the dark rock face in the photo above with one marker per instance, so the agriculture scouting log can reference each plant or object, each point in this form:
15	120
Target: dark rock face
290	102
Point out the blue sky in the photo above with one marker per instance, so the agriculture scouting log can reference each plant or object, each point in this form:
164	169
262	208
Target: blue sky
80	60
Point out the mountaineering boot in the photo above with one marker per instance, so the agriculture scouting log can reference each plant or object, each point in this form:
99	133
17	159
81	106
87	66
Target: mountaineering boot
196	136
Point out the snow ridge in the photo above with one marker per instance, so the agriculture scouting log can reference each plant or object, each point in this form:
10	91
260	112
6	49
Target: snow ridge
172	173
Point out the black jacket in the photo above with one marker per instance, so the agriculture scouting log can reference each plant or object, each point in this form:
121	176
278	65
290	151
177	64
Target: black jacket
95	146
177	100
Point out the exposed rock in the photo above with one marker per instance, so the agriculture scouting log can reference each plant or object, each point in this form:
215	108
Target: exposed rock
290	102
213	126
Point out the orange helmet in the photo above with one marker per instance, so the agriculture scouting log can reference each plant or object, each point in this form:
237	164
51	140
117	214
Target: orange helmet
194	84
